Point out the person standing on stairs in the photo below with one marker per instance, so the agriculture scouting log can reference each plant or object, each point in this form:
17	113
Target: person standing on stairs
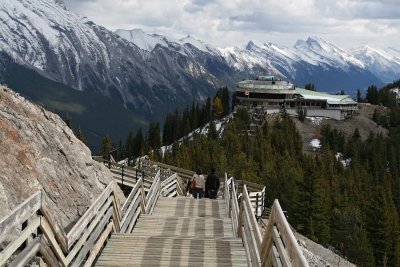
197	184
212	184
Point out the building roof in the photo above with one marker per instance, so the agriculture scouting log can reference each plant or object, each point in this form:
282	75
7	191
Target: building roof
330	99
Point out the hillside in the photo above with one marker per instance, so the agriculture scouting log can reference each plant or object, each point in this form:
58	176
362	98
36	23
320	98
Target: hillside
362	120
39	152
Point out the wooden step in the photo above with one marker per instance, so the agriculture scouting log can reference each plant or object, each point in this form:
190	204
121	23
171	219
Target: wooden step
189	207
126	250
173	226
181	231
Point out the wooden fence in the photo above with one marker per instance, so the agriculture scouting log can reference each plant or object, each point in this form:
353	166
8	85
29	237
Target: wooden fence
277	247
81	245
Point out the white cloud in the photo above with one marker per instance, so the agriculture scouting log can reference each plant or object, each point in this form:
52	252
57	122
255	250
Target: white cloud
346	23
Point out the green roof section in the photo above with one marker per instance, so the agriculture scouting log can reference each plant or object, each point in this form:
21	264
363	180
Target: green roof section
331	99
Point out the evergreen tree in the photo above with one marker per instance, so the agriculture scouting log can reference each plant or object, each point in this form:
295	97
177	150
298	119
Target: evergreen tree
372	95
218	109
301	113
359	98
106	146
225	99
68	120
79	134
310	86
212	131
129	145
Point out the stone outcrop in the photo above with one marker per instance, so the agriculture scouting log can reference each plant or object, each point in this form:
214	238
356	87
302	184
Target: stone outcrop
39	152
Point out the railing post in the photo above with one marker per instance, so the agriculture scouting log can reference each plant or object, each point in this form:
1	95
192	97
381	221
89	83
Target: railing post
109	164
122	174
240	219
143	196
230	201
136	175
256	211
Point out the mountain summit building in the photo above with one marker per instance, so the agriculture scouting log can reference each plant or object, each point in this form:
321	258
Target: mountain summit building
273	95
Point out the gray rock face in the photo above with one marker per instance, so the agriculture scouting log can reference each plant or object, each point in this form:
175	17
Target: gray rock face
39	152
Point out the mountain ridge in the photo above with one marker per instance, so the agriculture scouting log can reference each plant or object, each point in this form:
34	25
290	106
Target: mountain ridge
151	74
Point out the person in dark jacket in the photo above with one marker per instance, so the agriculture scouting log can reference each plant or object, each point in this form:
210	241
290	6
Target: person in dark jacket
212	184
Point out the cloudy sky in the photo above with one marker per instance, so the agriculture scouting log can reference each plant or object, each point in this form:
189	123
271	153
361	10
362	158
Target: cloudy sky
346	23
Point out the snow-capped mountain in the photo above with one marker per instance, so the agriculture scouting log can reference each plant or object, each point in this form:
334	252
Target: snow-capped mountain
142	75
143	40
317	51
313	60
384	63
150	73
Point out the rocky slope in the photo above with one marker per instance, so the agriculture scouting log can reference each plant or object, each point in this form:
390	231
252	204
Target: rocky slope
39	152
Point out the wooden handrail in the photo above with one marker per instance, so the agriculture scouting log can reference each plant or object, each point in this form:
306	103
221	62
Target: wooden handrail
278	246
183	173
153	194
86	238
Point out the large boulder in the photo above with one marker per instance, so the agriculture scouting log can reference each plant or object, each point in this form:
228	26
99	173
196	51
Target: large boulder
38	151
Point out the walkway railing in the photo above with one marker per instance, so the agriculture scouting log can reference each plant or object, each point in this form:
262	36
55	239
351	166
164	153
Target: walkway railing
81	245
277	247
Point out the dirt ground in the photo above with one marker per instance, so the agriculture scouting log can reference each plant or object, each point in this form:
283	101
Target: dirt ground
310	128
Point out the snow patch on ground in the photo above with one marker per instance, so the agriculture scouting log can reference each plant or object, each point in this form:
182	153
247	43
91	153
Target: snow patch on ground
345	162
316	143
316	120
219	125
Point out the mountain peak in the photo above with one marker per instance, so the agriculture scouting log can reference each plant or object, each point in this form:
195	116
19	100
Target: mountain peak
253	44
313	42
200	45
142	39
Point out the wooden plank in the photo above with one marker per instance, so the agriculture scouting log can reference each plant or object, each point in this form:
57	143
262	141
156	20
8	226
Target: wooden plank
152	194
134	220
288	237
172	168
281	248
252	239
170	179
116	209
99	244
20	214
27	254
58	232
246	247
169	191
131	195
13	246
45	227
267	242
81	225
129	214
47	254
88	231
276	261
155	198
92	239
252	219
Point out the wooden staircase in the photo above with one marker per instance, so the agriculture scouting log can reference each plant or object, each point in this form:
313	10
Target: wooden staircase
181	231
153	227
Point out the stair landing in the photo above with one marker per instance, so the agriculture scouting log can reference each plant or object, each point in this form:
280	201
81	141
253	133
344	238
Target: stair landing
181	232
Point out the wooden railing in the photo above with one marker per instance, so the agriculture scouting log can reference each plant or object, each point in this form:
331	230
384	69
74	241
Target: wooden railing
127	175
277	247
87	237
170	186
183	173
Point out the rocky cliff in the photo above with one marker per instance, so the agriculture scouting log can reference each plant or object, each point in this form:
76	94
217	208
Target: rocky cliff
39	152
